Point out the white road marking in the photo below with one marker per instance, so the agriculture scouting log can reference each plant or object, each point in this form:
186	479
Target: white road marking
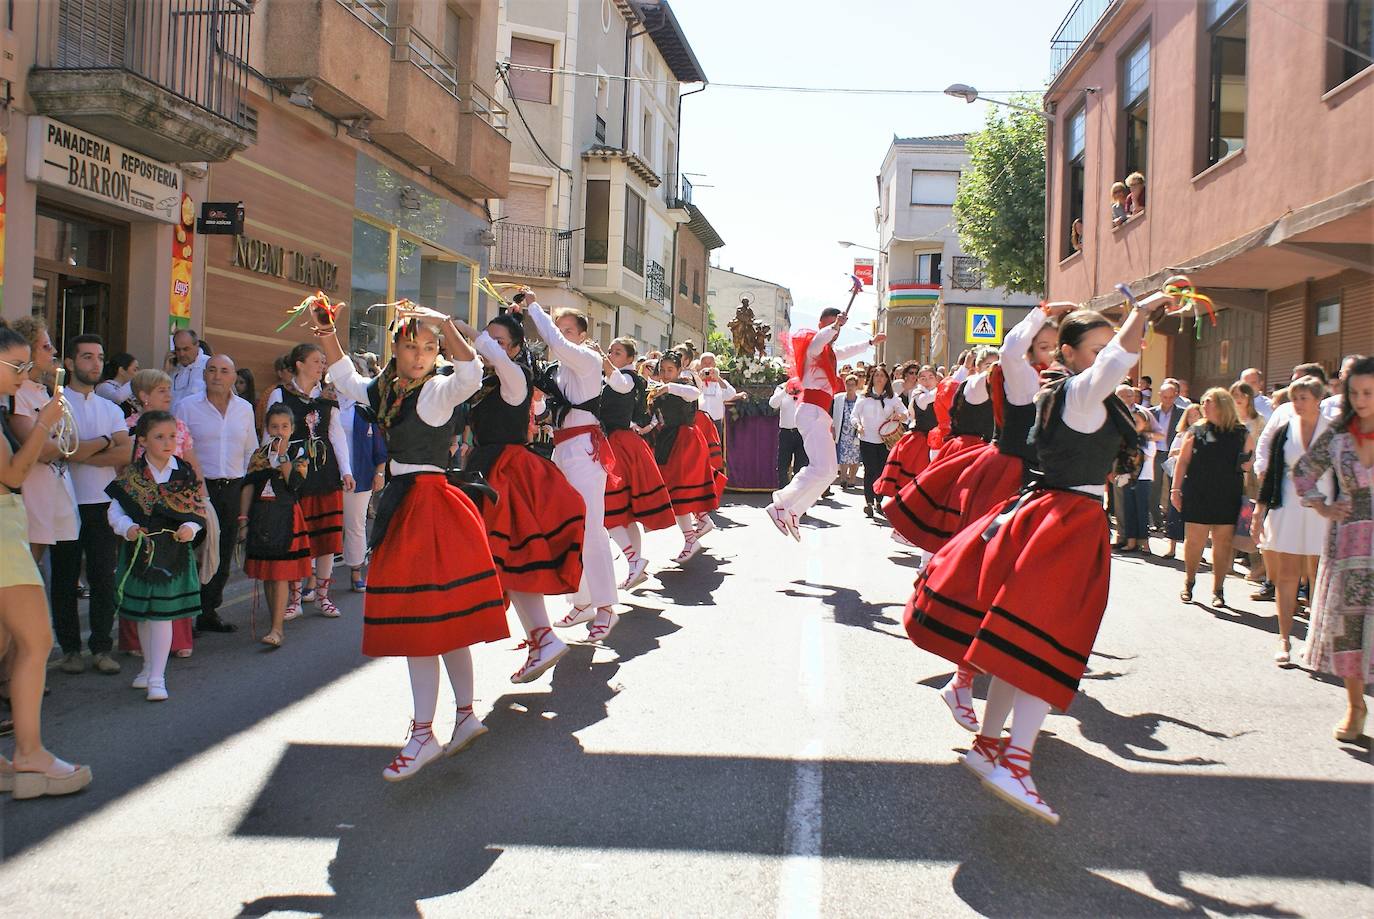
799	885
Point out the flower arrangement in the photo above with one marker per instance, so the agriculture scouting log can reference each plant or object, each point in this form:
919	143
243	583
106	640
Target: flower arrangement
750	372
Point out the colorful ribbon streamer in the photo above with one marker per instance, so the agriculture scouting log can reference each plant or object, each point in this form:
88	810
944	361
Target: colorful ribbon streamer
306	308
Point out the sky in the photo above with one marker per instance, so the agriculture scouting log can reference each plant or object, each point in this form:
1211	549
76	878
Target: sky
793	173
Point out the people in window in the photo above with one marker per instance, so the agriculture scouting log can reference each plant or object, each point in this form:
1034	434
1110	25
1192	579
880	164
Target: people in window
1076	234
1135	188
1120	200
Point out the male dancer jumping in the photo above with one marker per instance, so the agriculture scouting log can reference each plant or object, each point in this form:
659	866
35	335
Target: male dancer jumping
814	361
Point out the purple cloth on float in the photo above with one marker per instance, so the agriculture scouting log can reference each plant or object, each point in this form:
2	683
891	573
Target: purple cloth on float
751	452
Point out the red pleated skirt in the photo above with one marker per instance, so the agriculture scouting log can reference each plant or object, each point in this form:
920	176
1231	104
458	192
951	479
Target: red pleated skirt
323	522
536	529
908	459
299	561
641	497
707	427
695	486
433	586
928	509
1025	605
183	635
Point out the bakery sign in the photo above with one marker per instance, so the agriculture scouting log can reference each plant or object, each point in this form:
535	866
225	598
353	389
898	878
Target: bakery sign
91	166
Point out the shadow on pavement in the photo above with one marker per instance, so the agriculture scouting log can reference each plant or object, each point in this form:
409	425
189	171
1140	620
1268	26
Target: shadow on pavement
499	795
848	608
692	585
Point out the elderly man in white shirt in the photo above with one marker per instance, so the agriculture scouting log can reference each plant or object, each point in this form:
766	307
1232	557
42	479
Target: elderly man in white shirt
221	425
791	450
185	364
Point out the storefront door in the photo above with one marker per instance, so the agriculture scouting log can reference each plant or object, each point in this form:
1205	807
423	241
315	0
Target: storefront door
78	284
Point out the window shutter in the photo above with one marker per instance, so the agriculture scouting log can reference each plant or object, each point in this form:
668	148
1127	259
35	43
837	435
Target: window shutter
1286	341
529	85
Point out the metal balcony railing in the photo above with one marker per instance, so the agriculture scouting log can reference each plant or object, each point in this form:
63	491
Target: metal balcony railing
1078	22
479	102
195	49
411	46
540	252
373	14
655	283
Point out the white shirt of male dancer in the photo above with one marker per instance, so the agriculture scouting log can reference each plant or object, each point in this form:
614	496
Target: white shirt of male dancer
813	420
580	378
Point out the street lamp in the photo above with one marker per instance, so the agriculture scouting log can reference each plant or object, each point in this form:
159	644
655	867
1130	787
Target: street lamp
970	95
847	244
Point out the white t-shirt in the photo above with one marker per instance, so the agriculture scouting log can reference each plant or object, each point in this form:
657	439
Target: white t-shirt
870	414
95	416
49	495
786	404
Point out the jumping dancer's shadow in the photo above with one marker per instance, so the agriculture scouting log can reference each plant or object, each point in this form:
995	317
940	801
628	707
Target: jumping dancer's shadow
1124	735
692	585
905	561
850	609
639	632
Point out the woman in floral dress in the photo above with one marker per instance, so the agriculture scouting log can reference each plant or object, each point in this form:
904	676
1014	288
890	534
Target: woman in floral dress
846	431
1342	634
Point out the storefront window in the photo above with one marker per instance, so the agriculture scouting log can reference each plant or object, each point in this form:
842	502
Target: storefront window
371	284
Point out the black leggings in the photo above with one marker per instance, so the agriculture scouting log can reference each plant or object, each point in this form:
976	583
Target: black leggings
874	457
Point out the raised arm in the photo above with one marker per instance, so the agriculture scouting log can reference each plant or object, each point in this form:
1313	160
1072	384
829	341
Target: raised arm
513	385
1022	381
684	391
583	359
1099	381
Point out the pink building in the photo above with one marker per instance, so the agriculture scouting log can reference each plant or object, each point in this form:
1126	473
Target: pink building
1254	130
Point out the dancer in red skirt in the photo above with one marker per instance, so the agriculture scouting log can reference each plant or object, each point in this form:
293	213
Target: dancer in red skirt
277	547
537	524
714	450
321	434
911	455
1020	593
640	502
925	510
994	472
433	589
694	484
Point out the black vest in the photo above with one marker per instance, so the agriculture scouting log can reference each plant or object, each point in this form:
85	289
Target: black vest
618	410
1067	457
966	418
409	438
557	404
312	430
1013	438
923	419
676	413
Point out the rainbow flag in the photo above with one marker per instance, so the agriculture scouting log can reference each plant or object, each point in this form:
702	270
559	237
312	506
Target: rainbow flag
903	294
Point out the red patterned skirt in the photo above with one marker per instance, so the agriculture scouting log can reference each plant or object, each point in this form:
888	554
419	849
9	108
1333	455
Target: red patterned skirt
536	529
928	509
707	427
1024	605
908	459
641	496
433	586
297	563
324	522
694	484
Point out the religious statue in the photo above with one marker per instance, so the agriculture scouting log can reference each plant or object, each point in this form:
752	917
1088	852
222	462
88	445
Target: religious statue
750	337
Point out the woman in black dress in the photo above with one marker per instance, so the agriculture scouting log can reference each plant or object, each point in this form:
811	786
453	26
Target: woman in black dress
1208	486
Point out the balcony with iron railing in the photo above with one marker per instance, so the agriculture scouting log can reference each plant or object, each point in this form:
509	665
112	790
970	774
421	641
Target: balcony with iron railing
1075	27
531	252
421	120
655	283
167	79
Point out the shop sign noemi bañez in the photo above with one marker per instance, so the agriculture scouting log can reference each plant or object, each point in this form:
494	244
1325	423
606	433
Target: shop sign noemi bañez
279	262
91	166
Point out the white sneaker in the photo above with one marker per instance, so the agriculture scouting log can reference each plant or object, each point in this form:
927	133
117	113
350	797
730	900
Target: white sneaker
690	550
981	759
419	750
545	650
1011	781
140	681
599	629
465	730
157	690
704	526
639	573
576	616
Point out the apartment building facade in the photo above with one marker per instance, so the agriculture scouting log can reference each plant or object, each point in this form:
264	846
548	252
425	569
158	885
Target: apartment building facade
360	139
1244	119
770	301
932	300
597	211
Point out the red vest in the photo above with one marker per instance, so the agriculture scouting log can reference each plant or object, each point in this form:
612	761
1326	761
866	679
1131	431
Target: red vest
801	343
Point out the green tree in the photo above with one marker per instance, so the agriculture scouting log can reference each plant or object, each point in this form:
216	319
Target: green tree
1000	206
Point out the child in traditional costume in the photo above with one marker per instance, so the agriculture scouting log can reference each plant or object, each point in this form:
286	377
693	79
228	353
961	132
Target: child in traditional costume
640	502
911	455
536	524
276	543
158	506
433	589
695	485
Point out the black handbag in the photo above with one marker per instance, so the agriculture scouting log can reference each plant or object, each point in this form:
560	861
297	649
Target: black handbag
271	527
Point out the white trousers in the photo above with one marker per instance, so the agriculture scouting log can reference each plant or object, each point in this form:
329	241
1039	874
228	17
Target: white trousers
821	466
355	527
588	479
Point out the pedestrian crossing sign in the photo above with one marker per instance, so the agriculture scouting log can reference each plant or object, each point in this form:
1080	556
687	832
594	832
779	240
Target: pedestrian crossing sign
984	326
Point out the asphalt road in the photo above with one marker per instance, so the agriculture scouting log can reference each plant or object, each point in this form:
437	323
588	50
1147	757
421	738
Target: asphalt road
757	739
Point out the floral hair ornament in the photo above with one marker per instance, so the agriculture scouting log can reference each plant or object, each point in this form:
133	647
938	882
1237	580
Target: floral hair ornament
317	306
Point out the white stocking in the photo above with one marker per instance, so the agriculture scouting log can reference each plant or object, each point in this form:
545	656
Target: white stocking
156	649
630	540
458	663
1027	716
1001	694
324	567
685	524
533	615
424	687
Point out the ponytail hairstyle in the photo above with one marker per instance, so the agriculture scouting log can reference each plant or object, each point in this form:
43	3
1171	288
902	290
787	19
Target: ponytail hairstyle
670	357
512	323
628	344
148	420
300	353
